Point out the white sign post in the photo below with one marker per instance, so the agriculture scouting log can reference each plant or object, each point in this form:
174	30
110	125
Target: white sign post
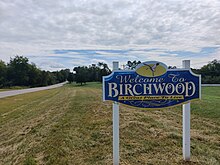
186	122
115	126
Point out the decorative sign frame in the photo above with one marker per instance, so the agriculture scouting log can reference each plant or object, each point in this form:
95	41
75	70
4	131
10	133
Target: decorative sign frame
152	86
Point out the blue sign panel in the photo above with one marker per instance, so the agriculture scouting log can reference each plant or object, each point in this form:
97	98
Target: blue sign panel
152	85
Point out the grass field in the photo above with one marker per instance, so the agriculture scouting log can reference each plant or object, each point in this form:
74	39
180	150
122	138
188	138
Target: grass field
71	125
13	88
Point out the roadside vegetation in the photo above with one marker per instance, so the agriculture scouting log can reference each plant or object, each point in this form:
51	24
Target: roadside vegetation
210	73
71	125
13	88
19	72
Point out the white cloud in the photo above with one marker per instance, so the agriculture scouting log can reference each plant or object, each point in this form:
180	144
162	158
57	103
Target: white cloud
38	27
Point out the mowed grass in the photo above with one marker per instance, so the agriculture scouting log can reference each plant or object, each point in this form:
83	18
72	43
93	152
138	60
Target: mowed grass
71	125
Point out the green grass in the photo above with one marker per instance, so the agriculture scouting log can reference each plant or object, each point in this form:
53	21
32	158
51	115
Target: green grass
13	88
30	161
97	85
71	125
209	106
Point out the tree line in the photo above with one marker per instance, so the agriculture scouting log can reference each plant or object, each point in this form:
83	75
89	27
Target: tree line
210	73
19	72
91	73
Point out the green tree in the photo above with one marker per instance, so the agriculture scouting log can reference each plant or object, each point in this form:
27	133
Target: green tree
82	74
93	73
34	75
210	72
71	77
132	65
18	71
65	74
3	72
51	78
44	78
103	71
59	76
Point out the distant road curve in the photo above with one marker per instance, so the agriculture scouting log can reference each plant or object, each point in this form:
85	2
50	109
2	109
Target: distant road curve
211	85
22	91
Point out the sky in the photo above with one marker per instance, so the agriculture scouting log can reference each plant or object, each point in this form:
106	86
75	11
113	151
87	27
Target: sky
68	33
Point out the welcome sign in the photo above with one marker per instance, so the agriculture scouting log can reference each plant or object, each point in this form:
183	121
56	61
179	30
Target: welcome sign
152	85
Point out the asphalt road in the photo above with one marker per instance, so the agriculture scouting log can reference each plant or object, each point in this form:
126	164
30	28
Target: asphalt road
22	91
210	85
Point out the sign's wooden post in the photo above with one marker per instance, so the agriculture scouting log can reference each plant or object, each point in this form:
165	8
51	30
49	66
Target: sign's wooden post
186	122
115	125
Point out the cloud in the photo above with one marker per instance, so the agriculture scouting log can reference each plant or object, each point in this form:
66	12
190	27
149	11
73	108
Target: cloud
46	64
170	28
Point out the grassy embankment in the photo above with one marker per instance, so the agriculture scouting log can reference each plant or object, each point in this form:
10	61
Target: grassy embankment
71	125
13	88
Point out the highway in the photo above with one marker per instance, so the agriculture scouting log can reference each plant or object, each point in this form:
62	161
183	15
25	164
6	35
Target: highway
29	90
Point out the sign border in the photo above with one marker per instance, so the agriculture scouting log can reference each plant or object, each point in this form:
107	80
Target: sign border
178	69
